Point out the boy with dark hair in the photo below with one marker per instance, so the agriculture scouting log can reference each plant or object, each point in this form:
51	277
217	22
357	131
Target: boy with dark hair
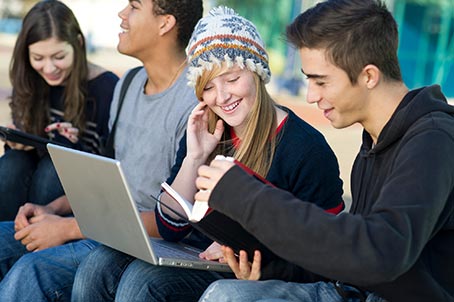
397	242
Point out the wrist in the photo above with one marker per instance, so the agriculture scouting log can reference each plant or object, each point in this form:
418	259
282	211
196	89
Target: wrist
50	209
59	206
72	229
194	162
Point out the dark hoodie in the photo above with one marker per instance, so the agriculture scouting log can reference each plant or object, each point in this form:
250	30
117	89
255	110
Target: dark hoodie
398	239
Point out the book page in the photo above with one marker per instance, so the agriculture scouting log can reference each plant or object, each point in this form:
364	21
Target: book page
194	212
186	205
199	210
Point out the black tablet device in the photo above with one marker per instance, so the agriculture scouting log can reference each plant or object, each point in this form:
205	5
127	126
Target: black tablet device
24	138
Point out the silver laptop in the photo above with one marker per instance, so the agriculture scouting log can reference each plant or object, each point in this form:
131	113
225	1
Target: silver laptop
105	211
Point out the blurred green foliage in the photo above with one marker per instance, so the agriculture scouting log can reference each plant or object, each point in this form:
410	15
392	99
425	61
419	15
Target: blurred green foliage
270	17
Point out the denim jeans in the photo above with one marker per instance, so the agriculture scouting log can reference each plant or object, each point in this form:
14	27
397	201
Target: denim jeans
45	275
26	176
109	275
275	291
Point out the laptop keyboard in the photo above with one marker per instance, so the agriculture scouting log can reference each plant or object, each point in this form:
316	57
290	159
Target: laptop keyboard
170	250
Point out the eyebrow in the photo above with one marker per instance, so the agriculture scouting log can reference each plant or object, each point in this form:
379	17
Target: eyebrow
313	76
230	71
54	54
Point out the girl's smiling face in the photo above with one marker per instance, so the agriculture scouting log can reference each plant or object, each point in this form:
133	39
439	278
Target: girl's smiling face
231	95
52	59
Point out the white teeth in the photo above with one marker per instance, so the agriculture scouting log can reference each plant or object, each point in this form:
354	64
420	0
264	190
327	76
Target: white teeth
231	107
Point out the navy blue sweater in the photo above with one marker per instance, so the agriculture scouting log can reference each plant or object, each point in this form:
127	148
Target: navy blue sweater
100	92
303	164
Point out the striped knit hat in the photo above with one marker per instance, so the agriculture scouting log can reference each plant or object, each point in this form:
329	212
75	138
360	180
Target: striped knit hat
224	36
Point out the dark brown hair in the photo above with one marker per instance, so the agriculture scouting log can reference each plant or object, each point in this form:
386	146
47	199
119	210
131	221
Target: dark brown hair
354	33
30	98
186	12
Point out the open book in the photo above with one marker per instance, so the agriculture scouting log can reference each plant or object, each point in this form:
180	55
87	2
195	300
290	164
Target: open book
217	226
194	212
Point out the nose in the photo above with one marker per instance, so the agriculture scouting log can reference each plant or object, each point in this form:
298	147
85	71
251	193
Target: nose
49	67
121	14
313	94
222	94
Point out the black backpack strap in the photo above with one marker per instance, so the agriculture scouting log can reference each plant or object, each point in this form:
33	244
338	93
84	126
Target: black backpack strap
109	146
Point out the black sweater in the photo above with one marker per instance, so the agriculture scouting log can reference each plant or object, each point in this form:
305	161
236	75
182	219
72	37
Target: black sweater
398	239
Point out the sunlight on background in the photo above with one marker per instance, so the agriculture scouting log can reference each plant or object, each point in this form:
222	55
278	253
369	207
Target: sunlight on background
426	52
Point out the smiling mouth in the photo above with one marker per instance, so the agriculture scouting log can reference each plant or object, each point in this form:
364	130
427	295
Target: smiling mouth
53	77
326	112
230	107
124	30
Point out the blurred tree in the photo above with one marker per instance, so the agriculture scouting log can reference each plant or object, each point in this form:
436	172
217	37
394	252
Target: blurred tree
270	17
426	50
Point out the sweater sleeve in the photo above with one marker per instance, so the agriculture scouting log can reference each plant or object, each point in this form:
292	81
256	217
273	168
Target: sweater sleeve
361	250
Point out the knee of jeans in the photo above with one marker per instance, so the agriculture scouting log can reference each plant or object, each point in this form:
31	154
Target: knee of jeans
44	195
24	268
16	166
94	261
45	173
218	291
99	261
45	186
18	160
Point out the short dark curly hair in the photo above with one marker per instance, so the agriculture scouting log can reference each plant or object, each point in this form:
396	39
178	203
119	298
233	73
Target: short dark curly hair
186	12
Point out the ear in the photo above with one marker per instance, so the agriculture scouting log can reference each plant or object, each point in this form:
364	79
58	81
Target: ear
167	23
370	76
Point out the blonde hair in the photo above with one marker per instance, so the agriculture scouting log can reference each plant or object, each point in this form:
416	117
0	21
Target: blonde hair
258	143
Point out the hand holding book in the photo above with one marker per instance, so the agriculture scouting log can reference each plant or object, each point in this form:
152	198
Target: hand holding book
195	212
192	212
217	226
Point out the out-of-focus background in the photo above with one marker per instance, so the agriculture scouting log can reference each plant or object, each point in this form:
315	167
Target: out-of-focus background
426	52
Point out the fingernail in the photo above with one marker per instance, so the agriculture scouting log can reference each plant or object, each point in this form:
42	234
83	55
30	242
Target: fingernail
46	129
66	129
58	125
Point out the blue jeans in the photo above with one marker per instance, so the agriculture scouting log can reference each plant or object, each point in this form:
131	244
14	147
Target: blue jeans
26	176
109	275
45	275
275	291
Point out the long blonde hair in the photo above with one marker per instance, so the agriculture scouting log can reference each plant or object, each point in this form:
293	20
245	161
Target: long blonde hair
258	143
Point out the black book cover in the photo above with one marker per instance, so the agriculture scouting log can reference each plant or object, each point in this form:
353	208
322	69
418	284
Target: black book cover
221	228
226	231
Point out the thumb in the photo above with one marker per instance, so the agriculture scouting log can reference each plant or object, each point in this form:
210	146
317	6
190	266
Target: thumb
20	222
219	129
36	219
